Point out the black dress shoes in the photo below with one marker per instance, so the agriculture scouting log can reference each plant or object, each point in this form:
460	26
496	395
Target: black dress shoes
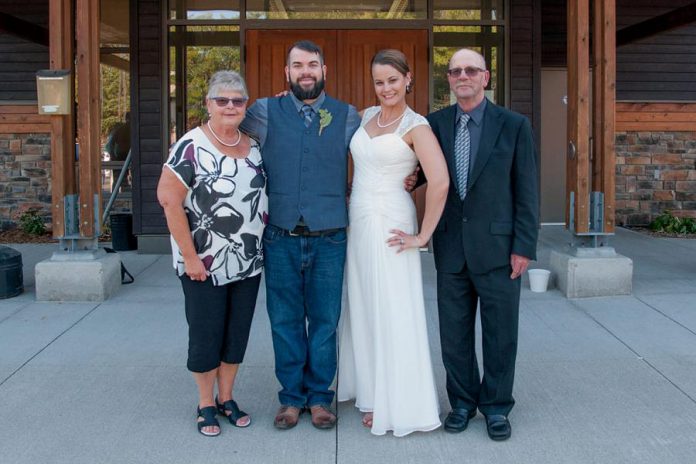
498	427
458	420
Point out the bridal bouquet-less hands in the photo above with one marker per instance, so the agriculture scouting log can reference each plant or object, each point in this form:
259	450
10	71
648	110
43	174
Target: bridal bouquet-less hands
325	118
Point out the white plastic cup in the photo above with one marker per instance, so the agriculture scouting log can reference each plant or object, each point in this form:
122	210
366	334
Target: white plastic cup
538	279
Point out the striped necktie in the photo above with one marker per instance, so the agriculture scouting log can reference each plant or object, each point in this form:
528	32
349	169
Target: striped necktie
462	148
308	113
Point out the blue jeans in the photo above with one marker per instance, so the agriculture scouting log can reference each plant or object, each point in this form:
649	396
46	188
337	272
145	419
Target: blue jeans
304	281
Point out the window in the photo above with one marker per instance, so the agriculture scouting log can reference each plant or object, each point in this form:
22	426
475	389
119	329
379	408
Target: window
473	10
195	54
115	97
304	9
488	40
204	9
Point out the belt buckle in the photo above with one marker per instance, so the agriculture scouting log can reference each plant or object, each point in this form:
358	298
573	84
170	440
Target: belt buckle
291	232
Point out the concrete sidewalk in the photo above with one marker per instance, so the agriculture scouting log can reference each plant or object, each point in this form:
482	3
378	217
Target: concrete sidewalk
601	380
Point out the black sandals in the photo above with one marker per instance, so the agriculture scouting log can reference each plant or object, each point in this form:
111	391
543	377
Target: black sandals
235	413
208	414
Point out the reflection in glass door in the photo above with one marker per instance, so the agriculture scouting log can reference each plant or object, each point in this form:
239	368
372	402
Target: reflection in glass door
195	53
114	69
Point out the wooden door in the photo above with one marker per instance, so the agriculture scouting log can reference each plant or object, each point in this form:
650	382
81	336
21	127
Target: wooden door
266	53
347	54
356	49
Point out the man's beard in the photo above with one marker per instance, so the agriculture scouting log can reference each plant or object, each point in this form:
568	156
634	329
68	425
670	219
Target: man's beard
309	94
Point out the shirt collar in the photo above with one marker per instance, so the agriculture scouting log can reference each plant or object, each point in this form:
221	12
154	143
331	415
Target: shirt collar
476	114
315	106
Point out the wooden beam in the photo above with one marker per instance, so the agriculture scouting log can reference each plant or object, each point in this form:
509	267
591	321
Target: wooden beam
577	166
646	117
670	20
656	126
19	109
27	128
24	29
603	108
672	107
115	61
24	118
88	115
61	55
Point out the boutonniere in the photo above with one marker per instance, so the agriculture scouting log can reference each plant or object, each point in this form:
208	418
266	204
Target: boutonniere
324	119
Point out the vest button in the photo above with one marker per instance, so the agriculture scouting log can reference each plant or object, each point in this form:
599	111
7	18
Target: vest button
465	219
306	132
306	150
305	169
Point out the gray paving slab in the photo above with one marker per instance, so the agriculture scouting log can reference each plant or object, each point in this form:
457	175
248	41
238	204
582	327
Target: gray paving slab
118	335
681	308
9	306
640	327
27	332
159	273
668	347
561	417
553	329
143	415
644	285
602	380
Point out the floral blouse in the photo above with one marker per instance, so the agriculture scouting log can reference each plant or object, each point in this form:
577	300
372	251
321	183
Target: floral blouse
226	206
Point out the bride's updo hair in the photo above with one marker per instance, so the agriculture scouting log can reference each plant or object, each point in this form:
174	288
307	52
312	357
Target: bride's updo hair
397	60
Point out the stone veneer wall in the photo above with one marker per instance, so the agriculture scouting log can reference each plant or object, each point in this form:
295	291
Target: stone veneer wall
655	171
25	170
25	174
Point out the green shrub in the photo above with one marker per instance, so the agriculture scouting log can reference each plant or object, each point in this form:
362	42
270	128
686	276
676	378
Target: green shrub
667	222
31	223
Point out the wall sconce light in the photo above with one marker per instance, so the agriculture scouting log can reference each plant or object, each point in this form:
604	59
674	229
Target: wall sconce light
54	91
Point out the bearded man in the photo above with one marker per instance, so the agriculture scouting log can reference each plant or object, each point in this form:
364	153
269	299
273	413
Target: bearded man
304	138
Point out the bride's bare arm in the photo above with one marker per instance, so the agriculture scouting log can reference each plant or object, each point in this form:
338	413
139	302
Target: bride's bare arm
434	167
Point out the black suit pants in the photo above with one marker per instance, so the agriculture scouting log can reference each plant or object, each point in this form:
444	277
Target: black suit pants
458	295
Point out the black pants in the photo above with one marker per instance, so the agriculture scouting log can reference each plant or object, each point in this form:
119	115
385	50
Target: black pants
219	320
499	296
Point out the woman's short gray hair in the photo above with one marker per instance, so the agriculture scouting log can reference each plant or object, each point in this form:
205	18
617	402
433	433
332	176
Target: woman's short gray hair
230	81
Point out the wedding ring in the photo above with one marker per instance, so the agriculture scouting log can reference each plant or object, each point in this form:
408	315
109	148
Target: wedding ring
401	241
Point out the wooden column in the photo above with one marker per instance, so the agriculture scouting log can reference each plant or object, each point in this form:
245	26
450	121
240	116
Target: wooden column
88	115
603	108
577	166
62	127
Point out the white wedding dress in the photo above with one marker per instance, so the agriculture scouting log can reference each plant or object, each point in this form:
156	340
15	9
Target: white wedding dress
384	356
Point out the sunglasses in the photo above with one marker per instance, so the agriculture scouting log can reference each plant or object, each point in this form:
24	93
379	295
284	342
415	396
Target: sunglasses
224	101
470	71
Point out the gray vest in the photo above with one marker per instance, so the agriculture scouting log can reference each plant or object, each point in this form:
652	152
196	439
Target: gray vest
307	172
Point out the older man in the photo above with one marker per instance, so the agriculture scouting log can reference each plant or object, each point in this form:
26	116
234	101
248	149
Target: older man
304	140
483	243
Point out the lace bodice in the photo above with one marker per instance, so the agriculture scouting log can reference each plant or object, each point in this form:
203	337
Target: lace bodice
383	161
410	120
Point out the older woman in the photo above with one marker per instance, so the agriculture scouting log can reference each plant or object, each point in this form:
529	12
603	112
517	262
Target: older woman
212	190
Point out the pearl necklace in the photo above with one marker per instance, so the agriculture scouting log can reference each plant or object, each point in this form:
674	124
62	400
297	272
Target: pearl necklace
389	124
239	137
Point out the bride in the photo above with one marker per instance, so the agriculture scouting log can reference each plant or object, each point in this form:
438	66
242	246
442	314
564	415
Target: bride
384	357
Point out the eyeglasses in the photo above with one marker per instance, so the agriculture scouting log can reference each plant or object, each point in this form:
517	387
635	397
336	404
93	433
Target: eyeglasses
470	71
224	101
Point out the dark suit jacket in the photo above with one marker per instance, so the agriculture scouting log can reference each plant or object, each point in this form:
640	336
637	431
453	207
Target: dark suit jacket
500	214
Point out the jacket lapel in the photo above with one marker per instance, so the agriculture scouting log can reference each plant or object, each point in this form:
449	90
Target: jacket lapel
492	123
